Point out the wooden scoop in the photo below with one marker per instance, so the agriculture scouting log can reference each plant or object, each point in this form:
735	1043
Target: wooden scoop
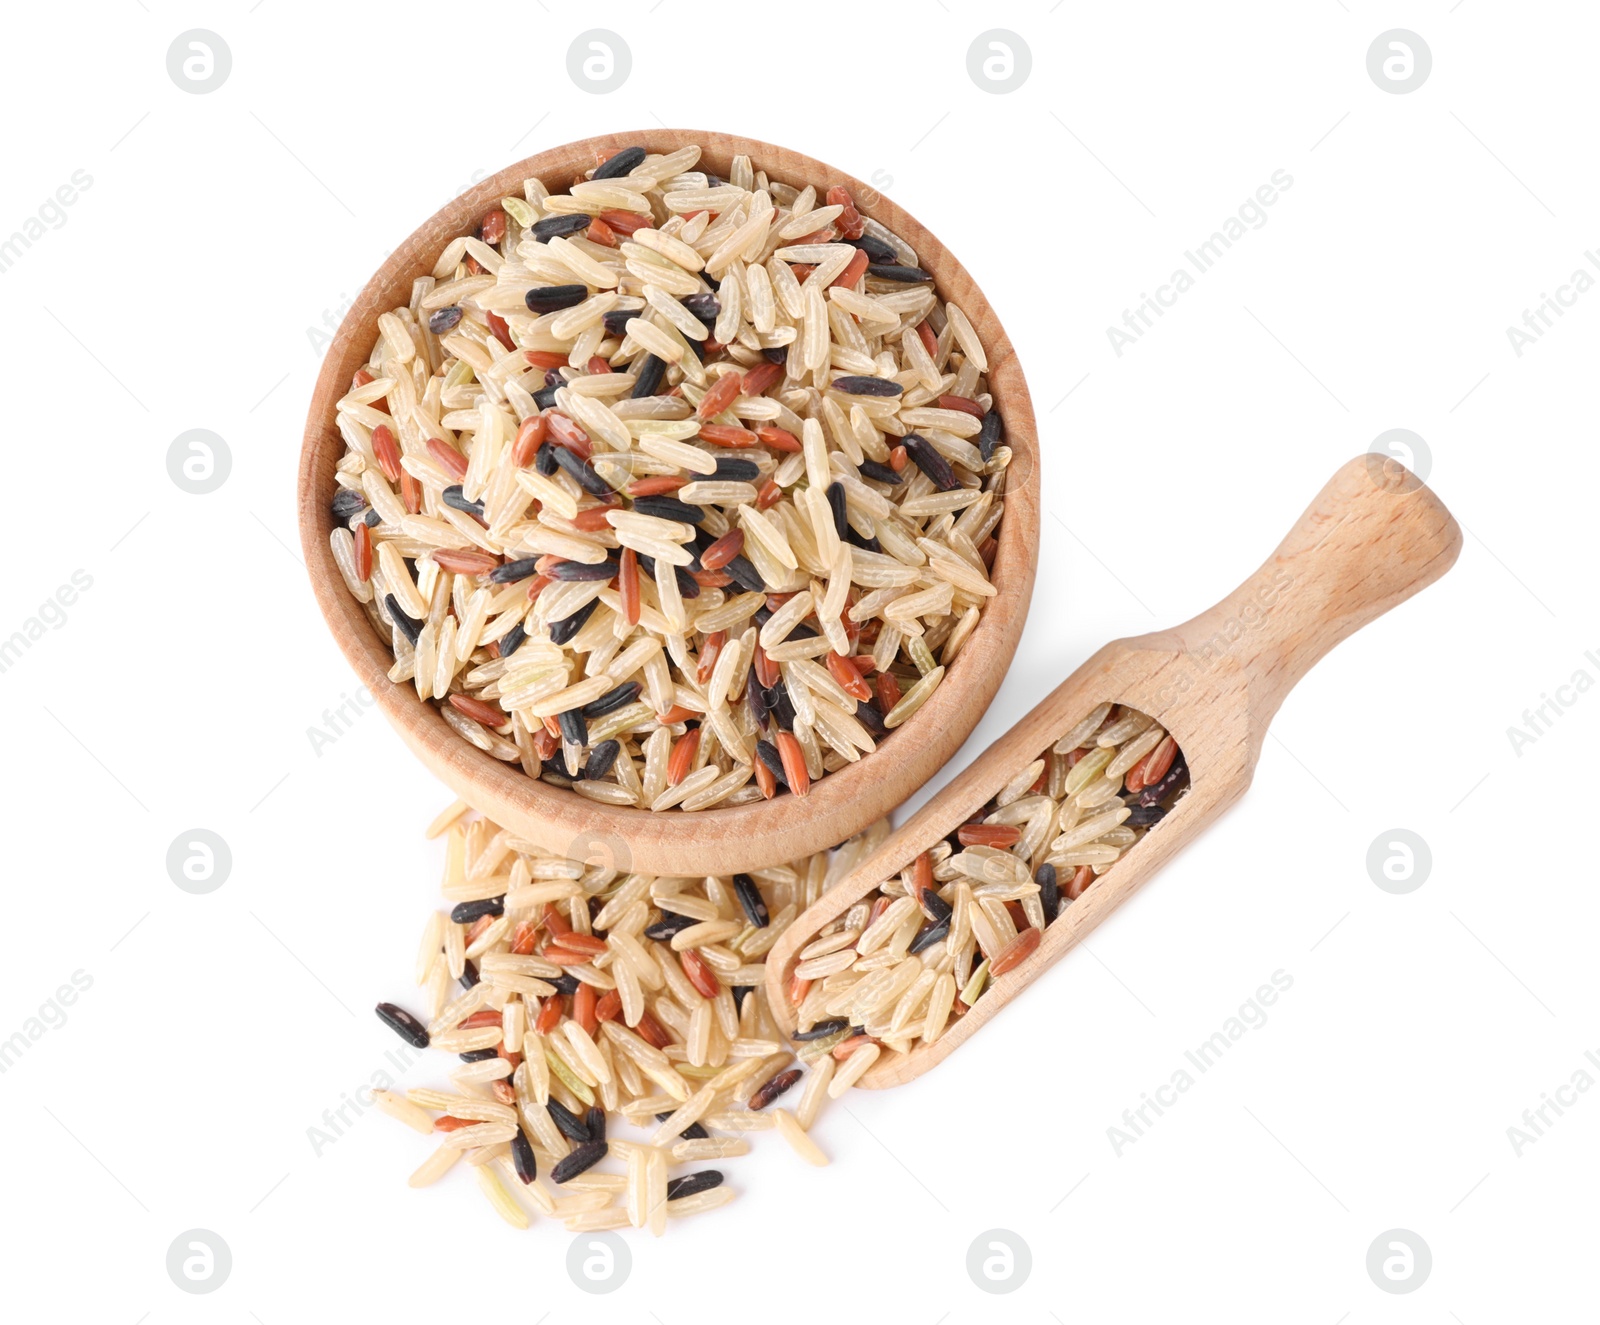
1372	538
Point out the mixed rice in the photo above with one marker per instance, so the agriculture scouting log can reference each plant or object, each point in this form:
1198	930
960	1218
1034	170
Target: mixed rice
583	1002
898	967
675	490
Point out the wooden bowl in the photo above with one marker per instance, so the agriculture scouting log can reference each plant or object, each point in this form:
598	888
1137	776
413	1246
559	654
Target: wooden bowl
717	841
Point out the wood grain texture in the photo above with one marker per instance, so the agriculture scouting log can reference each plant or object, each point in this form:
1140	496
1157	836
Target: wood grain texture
1373	537
718	841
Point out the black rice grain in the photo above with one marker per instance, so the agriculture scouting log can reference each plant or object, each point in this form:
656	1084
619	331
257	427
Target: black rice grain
651	371
583	472
556	227
600	760
706	307
346	502
464	913
732	469
991	434
821	1030
1177	776
522	1158
836	504
756	699
875	249
1049	891
1143	816
767	753
456	498
563	630
755	909
573	727
670	923
669	508
880	473
866	386
745	575
553	298
582	1159
584	570
512	571
868	715
931	462
781	705
403	1024
568	1123
893	271
933	906
612	700
410	628
623	163
928	936
774	1088
442	320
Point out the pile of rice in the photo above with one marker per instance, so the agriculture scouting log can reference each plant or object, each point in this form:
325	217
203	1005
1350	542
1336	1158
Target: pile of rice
584	1002
898	967
674	490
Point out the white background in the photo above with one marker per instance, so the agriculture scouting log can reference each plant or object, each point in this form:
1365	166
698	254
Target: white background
180	293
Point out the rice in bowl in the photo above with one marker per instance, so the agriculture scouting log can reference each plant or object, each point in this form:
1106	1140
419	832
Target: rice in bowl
675	490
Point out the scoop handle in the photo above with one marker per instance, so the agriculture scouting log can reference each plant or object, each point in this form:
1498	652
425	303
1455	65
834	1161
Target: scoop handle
1374	535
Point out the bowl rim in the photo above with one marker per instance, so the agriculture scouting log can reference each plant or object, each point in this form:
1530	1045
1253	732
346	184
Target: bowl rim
722	839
